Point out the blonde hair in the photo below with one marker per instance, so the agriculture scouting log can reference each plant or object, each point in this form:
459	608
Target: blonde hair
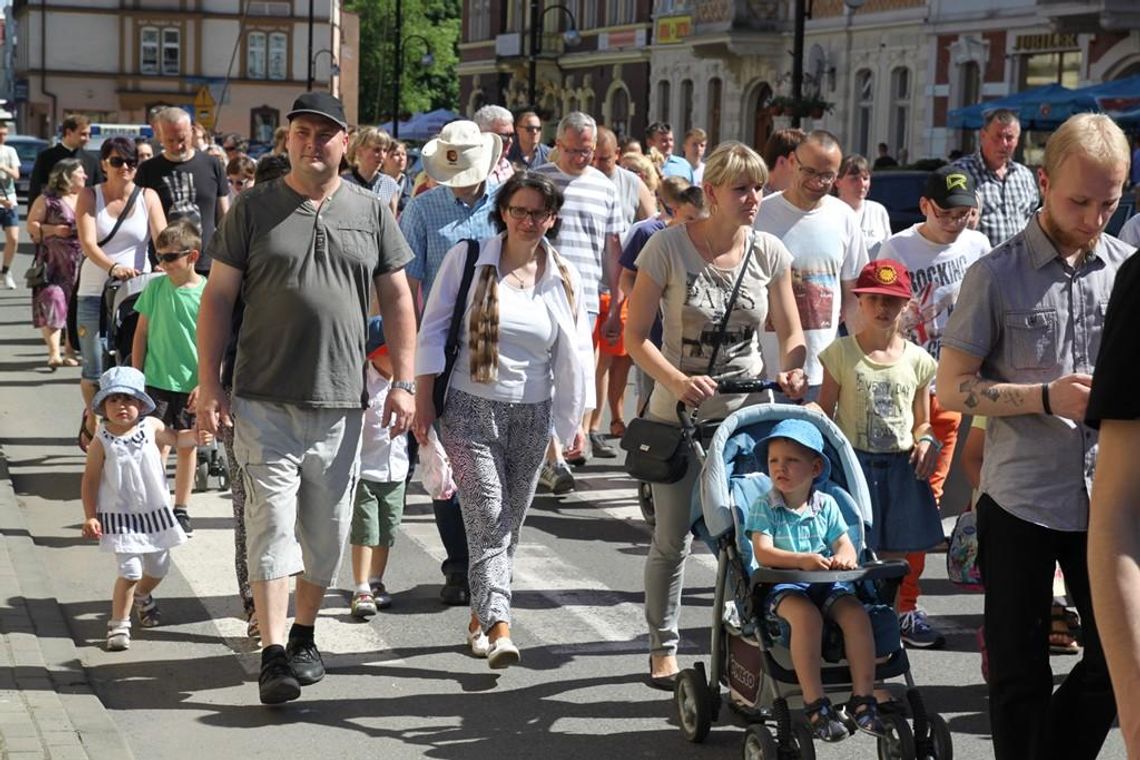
1094	135
641	165
367	137
732	160
483	322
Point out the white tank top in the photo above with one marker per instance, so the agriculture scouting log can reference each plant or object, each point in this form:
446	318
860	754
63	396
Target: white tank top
127	247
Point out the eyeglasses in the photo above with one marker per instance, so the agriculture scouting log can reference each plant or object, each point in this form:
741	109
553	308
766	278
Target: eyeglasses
170	258
578	152
118	162
506	136
813	175
520	213
957	216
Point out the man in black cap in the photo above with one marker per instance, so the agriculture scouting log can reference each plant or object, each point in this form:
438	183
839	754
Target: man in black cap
303	252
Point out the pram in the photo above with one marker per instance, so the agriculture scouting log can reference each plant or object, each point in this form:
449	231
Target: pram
121	320
746	656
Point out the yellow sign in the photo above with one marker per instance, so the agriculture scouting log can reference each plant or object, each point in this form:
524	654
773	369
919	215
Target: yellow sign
204	107
673	29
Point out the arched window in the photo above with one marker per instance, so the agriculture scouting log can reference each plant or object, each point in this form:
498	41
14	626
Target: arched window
686	106
619	111
664	93
900	108
864	109
713	121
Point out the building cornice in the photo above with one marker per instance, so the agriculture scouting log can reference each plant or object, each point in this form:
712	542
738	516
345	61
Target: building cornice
163	12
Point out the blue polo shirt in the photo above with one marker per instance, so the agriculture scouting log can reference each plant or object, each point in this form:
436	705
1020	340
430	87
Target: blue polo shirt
813	530
678	166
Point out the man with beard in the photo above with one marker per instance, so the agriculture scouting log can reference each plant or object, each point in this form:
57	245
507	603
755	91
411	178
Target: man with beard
1020	348
1008	189
191	185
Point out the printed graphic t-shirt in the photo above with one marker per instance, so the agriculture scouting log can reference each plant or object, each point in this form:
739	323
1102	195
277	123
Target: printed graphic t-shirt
692	307
876	401
936	273
188	190
827	249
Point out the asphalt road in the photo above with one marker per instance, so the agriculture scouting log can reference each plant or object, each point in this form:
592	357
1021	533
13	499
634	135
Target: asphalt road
401	686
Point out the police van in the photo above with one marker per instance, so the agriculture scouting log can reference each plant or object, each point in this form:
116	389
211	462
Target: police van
100	133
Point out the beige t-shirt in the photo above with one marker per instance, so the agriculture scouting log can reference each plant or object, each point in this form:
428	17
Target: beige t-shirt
692	307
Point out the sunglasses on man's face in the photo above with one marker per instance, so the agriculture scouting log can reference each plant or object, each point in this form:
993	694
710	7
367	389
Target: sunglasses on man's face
170	258
118	162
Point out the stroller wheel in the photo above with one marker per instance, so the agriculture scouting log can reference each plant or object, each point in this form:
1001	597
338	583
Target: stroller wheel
759	744
694	705
202	476
645	501
803	740
898	744
942	745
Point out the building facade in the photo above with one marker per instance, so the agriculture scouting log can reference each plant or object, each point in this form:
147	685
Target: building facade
236	65
604	72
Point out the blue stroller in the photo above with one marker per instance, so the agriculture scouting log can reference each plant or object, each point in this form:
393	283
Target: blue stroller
746	655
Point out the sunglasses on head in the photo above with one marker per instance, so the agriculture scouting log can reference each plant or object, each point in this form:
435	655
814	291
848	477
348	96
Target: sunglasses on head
118	162
170	258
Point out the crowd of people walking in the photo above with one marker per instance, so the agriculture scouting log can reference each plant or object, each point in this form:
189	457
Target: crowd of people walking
475	323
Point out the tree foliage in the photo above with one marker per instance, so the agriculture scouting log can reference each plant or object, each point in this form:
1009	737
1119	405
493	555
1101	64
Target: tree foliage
421	89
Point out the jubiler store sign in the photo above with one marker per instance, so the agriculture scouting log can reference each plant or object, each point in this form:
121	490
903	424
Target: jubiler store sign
1038	43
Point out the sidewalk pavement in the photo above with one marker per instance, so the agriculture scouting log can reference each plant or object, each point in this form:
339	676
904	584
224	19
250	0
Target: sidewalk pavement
47	707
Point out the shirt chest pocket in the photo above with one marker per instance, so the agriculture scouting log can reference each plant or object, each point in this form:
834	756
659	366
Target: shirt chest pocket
1032	338
355	241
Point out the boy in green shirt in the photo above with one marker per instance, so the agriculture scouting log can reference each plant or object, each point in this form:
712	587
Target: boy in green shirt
165	346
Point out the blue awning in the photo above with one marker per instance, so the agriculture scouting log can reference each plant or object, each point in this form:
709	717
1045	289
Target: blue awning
973	117
1118	97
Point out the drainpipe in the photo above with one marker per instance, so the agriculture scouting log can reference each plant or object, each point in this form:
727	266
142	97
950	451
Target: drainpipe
43	70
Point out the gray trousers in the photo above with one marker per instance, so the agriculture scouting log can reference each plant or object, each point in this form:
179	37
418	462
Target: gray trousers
665	565
496	449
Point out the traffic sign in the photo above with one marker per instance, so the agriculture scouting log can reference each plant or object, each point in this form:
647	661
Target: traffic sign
204	107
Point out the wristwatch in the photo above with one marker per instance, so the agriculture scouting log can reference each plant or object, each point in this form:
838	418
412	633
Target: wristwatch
405	385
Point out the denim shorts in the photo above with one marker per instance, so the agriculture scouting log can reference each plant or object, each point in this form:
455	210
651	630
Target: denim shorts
91	343
822	595
299	469
9	217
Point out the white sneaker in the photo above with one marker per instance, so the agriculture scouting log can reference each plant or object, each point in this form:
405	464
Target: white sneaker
9	281
556	477
503	653
478	642
118	636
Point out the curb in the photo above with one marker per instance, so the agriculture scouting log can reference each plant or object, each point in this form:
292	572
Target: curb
47	706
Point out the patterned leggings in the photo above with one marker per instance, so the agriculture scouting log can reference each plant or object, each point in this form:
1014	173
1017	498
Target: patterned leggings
496	449
237	494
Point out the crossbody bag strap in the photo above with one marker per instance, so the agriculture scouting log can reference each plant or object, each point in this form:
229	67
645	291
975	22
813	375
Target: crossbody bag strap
451	347
127	209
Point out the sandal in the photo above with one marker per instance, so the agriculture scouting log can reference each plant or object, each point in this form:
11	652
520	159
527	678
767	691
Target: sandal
85	436
617	428
251	628
824	721
1062	625
69	361
864	711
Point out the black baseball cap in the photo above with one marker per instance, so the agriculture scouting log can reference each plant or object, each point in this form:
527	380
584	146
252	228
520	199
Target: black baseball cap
951	187
319	104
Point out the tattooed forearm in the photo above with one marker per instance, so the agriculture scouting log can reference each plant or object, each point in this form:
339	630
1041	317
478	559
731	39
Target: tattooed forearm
975	389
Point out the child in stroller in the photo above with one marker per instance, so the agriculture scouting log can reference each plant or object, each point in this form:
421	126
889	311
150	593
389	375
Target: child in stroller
749	650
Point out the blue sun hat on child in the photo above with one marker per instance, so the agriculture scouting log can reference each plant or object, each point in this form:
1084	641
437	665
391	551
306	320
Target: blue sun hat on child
127	381
805	434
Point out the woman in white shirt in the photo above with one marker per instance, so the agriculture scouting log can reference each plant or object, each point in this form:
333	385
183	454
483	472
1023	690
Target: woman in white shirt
852	186
524	325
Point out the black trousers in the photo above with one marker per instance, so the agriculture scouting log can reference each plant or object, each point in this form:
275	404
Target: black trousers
1029	721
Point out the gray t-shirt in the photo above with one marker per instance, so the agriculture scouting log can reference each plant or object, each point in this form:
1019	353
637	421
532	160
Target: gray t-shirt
692	307
1032	319
307	275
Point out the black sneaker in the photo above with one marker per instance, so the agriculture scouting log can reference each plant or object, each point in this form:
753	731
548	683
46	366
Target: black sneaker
455	591
305	661
183	518
277	683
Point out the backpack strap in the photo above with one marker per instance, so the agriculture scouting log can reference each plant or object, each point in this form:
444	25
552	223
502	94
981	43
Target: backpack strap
451	348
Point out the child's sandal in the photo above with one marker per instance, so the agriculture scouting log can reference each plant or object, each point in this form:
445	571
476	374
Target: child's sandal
1062	625
864	712
824	720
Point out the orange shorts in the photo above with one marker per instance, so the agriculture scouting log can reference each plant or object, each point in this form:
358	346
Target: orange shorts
603	345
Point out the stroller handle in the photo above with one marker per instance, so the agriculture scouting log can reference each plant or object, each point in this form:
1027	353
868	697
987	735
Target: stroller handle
731	385
869	571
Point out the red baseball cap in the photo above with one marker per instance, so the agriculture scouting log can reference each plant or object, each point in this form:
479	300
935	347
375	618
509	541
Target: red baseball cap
886	277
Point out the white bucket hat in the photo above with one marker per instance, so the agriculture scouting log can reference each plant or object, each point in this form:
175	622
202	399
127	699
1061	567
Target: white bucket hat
461	156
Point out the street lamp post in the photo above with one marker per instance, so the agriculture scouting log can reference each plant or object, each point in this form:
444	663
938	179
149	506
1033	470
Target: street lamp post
571	36
802	12
427	60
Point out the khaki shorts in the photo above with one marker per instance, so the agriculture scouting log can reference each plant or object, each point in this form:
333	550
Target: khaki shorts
299	467
376	513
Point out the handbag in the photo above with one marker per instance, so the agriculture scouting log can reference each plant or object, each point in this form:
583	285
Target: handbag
658	452
962	555
36	276
451	348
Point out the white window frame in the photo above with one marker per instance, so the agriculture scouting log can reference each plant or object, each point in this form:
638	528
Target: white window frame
277	56
256	55
172	40
864	98
900	107
149	37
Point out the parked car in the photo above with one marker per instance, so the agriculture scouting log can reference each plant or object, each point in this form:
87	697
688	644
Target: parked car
27	148
899	190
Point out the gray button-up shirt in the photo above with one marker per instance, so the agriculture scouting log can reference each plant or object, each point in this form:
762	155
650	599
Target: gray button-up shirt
1032	318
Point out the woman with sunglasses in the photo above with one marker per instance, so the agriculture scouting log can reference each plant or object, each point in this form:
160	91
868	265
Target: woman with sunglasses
51	226
525	325
120	256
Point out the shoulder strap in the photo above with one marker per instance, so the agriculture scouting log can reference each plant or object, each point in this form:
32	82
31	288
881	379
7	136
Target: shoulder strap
452	345
720	331
127	209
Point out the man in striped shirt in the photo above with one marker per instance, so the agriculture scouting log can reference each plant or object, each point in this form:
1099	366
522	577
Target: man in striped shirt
589	238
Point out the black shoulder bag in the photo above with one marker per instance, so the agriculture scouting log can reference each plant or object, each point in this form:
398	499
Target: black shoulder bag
657	452
451	348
